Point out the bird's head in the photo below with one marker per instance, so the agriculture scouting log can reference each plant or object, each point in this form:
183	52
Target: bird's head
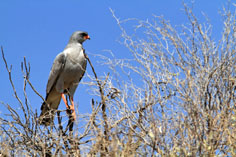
79	37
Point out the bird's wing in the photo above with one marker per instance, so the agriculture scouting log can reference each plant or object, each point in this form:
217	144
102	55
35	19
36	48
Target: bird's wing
56	70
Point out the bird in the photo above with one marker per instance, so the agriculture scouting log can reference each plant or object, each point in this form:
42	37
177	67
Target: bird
67	70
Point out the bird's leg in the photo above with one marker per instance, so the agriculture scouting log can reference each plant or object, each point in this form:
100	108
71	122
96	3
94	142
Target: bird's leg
72	107
65	101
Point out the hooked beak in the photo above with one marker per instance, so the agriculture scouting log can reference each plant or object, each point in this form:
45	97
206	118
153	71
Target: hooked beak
87	37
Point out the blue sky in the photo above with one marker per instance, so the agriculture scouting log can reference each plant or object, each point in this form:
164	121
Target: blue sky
39	30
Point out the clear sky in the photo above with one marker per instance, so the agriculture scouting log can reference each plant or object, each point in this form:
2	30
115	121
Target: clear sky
39	30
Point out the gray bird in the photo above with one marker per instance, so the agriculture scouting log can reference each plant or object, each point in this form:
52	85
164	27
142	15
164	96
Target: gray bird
68	69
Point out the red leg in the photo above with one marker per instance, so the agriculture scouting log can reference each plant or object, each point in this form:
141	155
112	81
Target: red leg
65	101
72	107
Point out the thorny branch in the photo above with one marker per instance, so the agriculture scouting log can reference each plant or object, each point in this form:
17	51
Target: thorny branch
174	97
103	103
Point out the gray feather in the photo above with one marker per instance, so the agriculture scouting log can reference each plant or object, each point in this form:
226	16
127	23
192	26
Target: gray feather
67	71
56	70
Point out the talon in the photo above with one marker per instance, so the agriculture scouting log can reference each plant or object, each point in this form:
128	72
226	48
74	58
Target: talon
73	112
71	107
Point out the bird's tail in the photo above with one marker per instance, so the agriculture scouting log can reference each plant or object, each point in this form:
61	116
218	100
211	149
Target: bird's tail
47	115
